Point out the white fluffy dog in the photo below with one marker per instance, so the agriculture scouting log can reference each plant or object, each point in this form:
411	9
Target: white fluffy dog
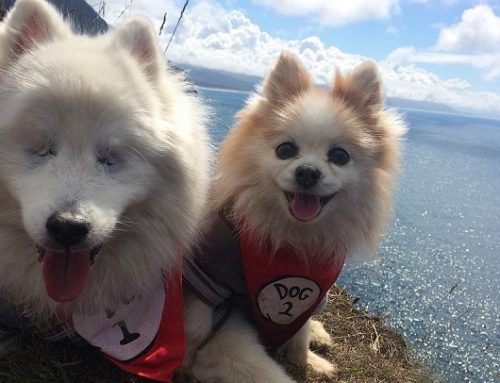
104	166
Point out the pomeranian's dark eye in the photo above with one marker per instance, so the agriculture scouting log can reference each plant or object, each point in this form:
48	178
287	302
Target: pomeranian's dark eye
286	150
338	156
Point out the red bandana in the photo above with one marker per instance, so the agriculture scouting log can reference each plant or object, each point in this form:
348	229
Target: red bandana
144	336
284	292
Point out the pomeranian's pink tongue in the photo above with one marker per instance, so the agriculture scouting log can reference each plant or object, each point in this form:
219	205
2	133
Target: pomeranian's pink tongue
305	207
65	273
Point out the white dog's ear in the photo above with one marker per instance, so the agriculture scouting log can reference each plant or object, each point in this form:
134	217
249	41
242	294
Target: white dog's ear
361	88
137	36
31	23
287	80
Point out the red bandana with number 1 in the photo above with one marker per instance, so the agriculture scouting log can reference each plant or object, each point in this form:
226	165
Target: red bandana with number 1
144	336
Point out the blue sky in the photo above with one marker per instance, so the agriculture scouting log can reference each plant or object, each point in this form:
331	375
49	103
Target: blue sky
416	24
436	50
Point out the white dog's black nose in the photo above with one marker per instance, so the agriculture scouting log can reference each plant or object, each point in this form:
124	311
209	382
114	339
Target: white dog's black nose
67	230
307	175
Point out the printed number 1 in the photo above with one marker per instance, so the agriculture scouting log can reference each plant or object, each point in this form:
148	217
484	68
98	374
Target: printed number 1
128	337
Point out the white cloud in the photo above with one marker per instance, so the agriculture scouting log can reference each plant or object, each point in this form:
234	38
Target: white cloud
116	10
214	37
474	41
443	2
334	12
488	63
409	81
477	32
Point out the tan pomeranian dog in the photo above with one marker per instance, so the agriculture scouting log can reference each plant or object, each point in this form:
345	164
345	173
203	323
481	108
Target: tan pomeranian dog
304	179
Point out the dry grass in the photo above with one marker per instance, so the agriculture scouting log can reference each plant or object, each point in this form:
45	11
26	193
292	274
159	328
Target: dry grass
364	349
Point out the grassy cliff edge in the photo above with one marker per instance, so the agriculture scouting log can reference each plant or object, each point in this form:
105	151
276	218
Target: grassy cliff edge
365	350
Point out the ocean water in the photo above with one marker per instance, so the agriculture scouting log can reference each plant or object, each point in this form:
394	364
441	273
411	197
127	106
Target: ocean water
438	278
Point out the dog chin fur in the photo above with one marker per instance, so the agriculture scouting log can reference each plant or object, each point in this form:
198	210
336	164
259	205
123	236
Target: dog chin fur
251	181
108	96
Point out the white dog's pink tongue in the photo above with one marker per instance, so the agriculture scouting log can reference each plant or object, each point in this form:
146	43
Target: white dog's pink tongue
305	207
65	273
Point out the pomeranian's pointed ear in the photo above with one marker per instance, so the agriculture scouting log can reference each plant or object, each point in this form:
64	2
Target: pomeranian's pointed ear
30	23
361	88
287	80
137	36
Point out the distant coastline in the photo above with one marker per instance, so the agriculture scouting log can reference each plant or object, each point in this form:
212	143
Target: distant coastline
219	89
214	79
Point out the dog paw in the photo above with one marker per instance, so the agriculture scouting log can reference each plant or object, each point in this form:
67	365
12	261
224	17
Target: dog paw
318	336
320	367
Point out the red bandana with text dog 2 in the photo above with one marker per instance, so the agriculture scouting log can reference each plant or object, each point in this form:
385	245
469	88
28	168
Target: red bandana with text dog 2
144	336
283	290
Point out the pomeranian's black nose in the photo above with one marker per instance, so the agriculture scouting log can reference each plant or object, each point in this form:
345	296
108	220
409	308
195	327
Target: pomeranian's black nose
307	175
67	230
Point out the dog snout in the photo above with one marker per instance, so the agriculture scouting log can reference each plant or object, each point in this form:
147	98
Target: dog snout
307	175
67	229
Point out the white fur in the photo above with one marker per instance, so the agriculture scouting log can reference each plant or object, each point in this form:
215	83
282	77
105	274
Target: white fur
252	179
235	354
318	336
297	351
313	130
86	99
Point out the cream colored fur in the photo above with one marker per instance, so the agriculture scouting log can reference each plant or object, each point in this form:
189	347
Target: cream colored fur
251	181
89	97
235	354
318	336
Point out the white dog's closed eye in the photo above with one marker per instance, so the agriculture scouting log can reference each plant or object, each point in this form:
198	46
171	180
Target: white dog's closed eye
48	150
37	157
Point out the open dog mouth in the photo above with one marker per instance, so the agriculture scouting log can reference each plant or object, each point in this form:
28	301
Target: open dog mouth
304	206
65	271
